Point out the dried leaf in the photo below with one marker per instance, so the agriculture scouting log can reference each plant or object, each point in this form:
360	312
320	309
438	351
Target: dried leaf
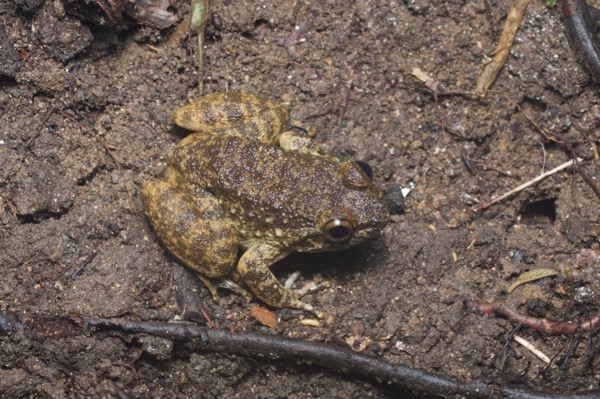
151	12
264	316
532	275
560	289
358	344
429	82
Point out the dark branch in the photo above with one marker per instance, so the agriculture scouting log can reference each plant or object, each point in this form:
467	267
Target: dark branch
275	347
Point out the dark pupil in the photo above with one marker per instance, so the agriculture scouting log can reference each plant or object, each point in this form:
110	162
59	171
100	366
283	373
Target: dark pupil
339	232
366	168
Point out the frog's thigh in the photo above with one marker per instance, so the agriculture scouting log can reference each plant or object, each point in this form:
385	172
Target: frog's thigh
192	228
237	114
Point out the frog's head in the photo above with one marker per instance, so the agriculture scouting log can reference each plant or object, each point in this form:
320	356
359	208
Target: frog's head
358	212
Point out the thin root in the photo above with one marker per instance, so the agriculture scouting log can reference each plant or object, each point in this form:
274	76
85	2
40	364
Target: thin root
547	326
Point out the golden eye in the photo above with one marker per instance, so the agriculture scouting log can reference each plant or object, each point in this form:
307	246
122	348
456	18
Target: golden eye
338	230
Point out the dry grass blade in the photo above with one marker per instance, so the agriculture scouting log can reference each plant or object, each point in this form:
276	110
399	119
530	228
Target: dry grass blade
523	186
532	275
509	32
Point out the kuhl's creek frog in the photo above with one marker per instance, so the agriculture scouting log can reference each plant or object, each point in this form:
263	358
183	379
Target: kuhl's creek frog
241	180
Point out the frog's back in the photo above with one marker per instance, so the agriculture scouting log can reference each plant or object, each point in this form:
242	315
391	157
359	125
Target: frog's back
247	176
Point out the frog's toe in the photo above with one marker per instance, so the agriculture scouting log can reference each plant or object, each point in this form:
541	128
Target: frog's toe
307	308
231	286
227	284
211	287
291	280
308	288
312	287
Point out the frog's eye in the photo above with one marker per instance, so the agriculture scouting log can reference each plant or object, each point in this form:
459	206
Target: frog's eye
338	230
366	168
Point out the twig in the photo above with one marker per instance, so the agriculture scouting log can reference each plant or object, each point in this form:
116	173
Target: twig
344	102
84	264
473	168
529	346
589	135
490	71
198	20
92	131
467	161
523	186
588	180
13	211
548	136
432	86
328	356
593	348
544	154
37	132
508	346
581	29
562	141
277	347
548	326
500	172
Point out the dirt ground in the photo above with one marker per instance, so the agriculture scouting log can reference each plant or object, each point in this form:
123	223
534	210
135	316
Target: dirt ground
85	119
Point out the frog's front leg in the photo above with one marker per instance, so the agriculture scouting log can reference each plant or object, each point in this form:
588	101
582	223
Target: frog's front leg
254	268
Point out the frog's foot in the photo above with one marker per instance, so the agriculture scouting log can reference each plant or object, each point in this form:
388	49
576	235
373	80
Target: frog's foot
211	287
311	131
297	304
307	289
227	284
293	141
231	286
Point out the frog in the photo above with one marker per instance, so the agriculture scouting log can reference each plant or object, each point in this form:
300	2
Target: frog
246	182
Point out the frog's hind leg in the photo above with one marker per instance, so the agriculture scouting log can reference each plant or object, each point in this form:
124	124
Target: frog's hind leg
193	228
227	284
302	142
237	114
224	283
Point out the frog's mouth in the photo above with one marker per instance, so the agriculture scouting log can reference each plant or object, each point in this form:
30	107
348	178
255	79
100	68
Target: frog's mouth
317	242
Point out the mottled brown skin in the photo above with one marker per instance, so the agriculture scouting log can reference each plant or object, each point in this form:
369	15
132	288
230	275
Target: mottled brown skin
242	181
